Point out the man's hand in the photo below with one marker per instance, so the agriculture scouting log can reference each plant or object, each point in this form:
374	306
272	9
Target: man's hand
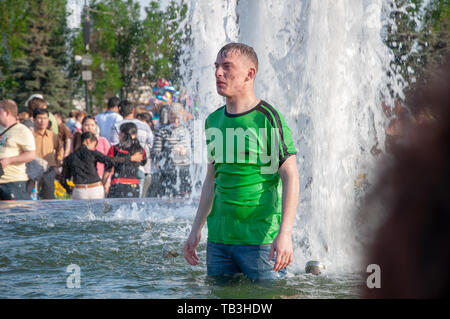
4	162
204	208
282	245
190	253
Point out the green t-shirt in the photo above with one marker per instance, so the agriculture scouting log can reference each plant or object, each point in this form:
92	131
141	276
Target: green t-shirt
247	149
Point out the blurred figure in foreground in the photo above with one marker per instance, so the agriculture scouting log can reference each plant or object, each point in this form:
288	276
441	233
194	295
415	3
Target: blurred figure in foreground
412	246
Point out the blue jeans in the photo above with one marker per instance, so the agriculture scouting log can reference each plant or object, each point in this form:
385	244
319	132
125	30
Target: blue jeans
252	260
14	191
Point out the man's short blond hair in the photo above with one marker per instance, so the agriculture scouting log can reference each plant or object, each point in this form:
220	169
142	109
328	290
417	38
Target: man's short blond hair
10	106
242	49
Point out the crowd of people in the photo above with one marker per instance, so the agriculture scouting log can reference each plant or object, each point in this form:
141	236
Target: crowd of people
125	151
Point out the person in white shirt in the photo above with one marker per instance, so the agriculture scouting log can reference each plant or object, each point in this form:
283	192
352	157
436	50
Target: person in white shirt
17	147
107	119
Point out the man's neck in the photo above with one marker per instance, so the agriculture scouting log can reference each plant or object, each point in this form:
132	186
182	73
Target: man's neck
10	122
129	117
41	131
236	105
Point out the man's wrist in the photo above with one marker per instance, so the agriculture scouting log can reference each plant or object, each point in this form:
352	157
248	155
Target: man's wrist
195	231
285	232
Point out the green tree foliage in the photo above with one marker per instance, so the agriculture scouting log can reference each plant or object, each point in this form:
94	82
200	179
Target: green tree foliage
420	36
13	15
107	19
38	56
164	34
130	52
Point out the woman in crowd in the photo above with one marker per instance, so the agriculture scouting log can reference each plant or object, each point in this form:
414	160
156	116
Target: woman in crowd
90	125
124	176
81	167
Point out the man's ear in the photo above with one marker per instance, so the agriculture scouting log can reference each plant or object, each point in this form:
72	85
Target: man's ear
251	74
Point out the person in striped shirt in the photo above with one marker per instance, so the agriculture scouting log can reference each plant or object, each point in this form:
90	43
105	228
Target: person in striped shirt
171	154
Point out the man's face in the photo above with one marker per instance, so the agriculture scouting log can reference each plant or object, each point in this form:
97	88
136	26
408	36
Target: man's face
232	71
41	121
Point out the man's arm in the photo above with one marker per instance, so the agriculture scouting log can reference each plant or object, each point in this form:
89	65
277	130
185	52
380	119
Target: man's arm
282	244
204	208
67	147
66	175
24	157
59	151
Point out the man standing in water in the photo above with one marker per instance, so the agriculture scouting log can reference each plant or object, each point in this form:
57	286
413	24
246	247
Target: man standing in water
17	147
250	219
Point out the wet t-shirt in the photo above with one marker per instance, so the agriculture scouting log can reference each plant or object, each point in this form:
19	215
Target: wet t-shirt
247	150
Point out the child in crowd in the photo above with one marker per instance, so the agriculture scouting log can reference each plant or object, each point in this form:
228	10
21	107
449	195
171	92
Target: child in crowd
125	179
89	124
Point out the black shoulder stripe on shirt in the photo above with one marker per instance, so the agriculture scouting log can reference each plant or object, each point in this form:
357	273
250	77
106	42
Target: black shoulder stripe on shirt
278	124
